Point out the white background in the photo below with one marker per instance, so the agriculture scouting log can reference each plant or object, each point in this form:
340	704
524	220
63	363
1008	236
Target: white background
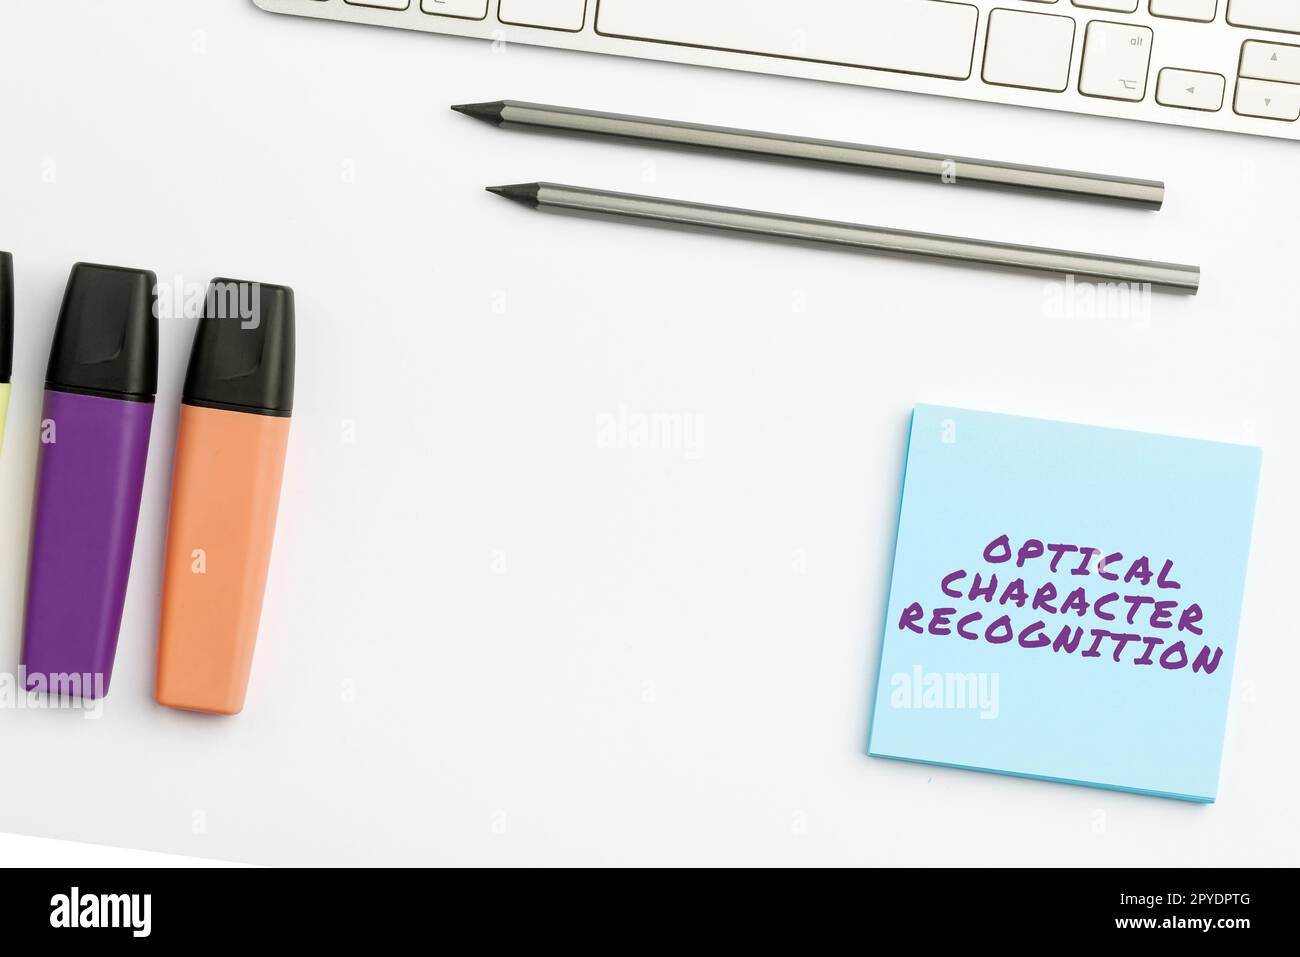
489	640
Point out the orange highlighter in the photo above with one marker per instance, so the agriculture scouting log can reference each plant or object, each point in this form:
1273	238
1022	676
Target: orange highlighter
230	449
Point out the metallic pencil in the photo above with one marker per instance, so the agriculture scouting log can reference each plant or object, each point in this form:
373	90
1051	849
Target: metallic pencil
945	169
1169	277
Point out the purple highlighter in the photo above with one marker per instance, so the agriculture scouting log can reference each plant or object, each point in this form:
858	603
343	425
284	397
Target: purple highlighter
99	396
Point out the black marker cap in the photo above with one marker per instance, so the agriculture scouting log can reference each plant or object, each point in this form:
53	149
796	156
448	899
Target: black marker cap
242	358
6	317
106	341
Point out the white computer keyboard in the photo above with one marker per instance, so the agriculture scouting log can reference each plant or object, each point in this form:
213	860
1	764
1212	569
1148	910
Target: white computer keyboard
1217	64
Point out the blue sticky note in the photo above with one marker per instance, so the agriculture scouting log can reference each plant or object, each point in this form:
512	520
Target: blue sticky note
1065	602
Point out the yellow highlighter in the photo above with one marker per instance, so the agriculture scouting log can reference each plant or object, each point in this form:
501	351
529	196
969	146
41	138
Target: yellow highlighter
6	335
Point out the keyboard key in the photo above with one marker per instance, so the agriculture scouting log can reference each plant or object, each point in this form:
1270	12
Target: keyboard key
464	9
552	14
902	36
1115	61
1029	50
1190	90
1270	61
1281	15
382	4
1199	10
1270	101
1119	6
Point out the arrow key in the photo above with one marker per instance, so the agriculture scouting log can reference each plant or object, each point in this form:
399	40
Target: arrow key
1190	90
1270	61
1268	100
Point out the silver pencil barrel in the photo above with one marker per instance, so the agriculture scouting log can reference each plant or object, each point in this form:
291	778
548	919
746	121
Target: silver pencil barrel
958	170
1171	277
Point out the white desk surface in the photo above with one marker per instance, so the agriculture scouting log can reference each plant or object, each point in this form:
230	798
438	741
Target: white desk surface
488	639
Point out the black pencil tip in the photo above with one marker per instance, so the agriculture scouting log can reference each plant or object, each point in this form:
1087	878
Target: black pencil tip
525	193
487	112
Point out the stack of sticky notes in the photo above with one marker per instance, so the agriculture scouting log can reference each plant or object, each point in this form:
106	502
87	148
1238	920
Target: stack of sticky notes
1064	602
